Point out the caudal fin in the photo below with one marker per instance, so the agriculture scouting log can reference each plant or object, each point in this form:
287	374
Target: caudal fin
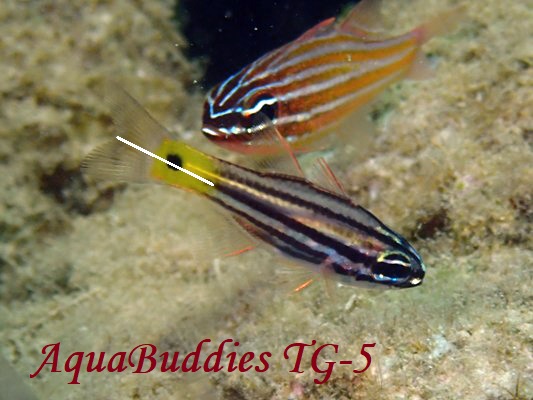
170	162
115	161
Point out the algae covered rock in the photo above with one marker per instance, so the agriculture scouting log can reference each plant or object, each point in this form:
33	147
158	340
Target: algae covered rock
106	268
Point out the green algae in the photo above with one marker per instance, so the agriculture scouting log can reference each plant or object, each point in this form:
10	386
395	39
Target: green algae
105	268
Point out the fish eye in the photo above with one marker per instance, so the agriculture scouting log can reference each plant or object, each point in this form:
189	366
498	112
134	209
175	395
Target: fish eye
265	104
394	266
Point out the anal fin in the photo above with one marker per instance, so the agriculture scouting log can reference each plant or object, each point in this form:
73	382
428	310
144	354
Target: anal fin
218	237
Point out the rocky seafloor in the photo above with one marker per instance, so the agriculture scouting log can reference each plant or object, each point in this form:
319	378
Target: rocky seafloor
105	268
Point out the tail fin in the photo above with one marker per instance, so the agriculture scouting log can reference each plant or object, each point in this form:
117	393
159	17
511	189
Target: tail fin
114	161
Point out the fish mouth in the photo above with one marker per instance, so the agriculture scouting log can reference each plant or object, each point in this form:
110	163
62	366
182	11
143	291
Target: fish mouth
415	280
226	140
213	133
224	135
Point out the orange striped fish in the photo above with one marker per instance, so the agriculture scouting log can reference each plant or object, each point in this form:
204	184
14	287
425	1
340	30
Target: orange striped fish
309	85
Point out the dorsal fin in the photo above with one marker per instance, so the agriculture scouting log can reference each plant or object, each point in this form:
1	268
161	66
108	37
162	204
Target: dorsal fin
363	20
318	28
323	175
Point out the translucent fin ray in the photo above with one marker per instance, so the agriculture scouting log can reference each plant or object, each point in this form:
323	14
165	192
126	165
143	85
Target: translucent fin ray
324	176
363	20
116	161
279	157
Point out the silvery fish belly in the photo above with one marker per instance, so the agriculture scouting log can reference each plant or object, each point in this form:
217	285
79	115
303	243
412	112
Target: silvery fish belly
309	85
314	225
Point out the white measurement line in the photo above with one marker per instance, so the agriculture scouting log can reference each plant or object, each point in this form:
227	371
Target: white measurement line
165	161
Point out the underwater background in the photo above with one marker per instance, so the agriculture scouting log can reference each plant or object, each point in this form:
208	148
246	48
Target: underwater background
106	267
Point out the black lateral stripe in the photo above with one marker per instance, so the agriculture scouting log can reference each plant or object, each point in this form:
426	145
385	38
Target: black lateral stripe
300	255
348	252
257	185
290	245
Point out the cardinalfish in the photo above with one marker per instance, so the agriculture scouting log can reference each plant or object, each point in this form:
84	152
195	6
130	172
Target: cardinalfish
309	85
305	222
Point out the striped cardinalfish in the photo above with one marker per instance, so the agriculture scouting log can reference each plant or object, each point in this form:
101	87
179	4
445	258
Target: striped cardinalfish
300	220
309	85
